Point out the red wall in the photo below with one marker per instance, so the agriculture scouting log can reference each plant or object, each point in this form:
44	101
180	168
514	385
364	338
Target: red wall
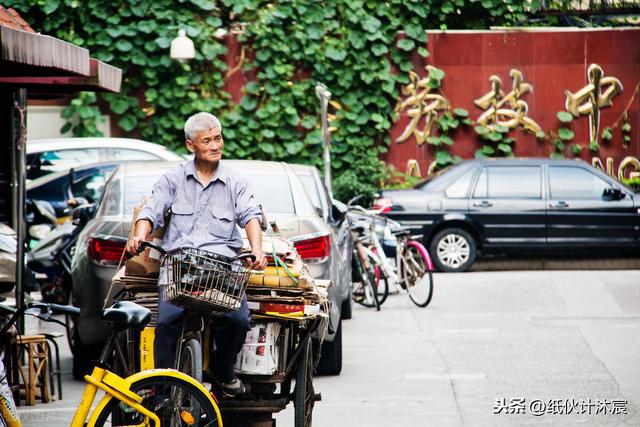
552	61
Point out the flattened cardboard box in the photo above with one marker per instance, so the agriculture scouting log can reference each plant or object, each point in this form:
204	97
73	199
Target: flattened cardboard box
147	263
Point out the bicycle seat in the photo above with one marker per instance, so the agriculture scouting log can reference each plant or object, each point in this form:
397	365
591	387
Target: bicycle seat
127	313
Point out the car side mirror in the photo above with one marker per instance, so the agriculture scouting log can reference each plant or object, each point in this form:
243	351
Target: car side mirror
338	212
613	193
83	213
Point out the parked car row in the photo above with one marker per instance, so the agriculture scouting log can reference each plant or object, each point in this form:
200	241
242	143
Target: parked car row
527	206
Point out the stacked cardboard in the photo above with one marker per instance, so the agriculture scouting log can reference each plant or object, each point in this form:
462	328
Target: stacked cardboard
292	294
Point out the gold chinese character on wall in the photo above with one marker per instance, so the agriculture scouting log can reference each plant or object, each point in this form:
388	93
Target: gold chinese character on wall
421	106
597	94
506	110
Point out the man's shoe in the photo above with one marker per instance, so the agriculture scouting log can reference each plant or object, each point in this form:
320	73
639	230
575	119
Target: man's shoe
233	388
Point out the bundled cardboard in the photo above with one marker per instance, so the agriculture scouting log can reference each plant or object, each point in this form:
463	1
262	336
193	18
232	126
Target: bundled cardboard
259	355
147	263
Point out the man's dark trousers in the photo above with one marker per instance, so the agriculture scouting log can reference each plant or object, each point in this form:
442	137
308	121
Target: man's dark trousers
229	333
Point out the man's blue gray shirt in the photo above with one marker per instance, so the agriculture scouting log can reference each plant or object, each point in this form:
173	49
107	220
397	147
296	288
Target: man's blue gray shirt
202	216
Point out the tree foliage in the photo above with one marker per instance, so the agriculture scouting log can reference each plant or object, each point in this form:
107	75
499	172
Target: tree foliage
350	45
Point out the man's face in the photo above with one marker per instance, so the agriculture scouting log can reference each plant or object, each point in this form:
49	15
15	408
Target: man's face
207	145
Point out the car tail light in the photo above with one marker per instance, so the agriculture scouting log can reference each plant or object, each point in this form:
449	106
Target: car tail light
382	204
315	248
106	252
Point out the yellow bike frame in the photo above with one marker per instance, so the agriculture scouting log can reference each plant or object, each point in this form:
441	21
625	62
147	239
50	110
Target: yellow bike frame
119	388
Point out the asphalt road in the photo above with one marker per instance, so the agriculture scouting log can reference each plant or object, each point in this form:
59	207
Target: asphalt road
493	348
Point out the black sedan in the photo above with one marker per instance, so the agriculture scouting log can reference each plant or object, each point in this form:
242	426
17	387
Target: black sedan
517	205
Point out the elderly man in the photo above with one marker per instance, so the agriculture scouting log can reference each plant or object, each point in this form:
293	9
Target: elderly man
208	201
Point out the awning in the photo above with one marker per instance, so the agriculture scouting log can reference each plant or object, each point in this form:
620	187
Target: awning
44	64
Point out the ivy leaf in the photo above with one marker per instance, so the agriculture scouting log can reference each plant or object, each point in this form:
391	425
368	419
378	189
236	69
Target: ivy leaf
447	8
204	4
558	144
356	40
576	149
433	140
556	155
443	158
308	122
379	49
124	45
406	44
626	127
594	146
336	54
505	148
50	7
487	149
315	32
467	121
128	122
163	42
294	147
606	134
494	136
446	140
371	24
119	106
627	138
481	130
423	52
436	74
114	32
564	117
461	112
501	129
268	133
566	134
479	154
66	128
540	135
266	147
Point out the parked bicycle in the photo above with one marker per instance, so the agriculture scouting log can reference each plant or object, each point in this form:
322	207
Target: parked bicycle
154	397
413	269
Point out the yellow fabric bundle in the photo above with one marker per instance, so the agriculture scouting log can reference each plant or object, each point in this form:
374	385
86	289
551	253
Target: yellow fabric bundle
272	276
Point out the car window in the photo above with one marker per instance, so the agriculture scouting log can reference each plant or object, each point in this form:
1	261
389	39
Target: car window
310	187
111	203
137	187
458	189
509	182
444	178
569	182
129	155
61	160
50	191
273	192
90	187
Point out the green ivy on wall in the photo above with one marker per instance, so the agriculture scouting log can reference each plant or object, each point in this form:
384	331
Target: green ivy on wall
350	45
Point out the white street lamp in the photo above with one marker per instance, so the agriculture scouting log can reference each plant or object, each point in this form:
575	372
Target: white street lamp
182	47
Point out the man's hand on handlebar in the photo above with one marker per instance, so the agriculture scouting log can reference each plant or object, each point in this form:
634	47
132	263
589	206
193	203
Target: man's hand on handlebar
260	262
141	231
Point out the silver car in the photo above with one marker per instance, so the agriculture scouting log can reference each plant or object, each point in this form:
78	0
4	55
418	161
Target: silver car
45	156
284	200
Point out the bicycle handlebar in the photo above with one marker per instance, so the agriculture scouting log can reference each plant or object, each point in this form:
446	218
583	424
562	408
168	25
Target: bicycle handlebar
46	311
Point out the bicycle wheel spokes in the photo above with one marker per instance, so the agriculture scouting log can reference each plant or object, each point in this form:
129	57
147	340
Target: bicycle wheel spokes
418	277
175	401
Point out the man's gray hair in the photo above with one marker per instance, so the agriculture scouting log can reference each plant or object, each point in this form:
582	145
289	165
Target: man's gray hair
199	122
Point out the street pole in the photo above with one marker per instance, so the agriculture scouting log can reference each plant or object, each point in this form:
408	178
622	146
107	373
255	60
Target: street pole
324	96
19	140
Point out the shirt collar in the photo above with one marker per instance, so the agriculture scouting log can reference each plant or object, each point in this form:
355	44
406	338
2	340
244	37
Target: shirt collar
221	171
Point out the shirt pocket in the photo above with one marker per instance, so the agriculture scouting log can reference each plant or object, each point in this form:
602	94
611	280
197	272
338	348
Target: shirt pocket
222	223
182	217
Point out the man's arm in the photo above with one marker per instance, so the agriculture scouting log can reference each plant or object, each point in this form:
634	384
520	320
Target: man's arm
254	234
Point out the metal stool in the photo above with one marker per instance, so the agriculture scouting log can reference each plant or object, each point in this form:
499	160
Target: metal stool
55	371
35	374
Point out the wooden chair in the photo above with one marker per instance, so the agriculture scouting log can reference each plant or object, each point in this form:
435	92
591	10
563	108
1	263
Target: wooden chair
35	374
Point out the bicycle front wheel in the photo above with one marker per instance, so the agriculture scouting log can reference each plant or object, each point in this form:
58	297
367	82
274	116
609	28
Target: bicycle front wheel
174	400
416	276
191	359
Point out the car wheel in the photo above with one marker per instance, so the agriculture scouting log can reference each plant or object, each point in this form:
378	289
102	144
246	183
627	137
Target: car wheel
453	250
84	356
346	310
330	362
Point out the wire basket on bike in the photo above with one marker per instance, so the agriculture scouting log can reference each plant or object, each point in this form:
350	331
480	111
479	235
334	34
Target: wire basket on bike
204	281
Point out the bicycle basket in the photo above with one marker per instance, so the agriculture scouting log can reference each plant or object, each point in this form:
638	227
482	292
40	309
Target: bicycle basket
201	281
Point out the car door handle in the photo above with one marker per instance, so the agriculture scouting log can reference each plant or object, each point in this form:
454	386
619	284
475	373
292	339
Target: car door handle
484	204
559	205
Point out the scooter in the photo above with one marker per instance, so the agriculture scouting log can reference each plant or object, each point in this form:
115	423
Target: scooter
52	256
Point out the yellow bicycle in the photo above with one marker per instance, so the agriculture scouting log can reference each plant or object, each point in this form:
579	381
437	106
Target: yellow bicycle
156	397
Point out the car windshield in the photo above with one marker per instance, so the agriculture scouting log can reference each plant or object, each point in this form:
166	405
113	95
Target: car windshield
136	188
273	192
